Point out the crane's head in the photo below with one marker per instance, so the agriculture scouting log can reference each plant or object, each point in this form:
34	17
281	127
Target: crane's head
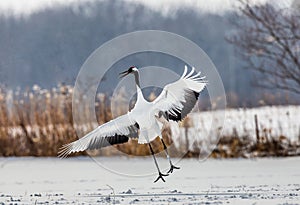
130	70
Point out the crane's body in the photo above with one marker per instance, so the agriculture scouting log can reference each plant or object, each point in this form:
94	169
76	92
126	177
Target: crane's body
144	115
146	119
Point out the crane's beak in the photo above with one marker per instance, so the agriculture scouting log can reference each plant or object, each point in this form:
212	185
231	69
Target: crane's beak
123	74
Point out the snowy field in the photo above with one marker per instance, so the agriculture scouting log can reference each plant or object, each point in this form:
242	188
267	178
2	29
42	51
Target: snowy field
207	127
82	181
273	121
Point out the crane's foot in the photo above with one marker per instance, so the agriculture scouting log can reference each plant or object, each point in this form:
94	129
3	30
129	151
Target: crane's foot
161	176
172	168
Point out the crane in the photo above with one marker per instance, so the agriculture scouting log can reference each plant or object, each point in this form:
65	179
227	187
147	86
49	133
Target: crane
146	119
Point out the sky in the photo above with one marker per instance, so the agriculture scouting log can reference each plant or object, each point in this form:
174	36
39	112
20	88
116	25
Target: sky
166	7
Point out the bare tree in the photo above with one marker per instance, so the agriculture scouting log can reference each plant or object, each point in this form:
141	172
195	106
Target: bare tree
268	37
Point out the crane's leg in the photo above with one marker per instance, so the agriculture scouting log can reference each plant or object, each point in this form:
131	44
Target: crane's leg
156	164
168	156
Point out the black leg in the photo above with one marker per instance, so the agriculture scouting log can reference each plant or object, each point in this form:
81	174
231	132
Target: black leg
156	164
168	156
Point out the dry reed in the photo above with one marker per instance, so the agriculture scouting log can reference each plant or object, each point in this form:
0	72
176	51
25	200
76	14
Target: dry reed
37	122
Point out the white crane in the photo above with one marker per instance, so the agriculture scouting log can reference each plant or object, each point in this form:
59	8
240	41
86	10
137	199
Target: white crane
146	119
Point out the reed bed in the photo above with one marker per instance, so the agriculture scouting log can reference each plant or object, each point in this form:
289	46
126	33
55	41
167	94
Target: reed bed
37	122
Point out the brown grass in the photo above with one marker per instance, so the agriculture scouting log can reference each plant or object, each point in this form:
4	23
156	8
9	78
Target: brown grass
237	147
37	122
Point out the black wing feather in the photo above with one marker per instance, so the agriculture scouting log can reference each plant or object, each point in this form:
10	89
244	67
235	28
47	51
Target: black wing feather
191	99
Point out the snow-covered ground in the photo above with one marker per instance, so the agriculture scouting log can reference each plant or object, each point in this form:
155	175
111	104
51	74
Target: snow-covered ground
82	181
207	127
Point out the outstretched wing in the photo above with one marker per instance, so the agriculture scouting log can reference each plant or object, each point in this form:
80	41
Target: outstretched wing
179	98
113	132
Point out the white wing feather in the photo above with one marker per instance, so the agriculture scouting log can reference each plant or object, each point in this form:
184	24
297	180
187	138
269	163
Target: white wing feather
104	135
180	97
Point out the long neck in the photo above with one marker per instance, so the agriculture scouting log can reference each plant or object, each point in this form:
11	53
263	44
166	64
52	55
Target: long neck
138	87
137	79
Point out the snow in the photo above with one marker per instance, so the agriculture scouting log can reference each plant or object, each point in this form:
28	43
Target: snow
81	180
273	121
